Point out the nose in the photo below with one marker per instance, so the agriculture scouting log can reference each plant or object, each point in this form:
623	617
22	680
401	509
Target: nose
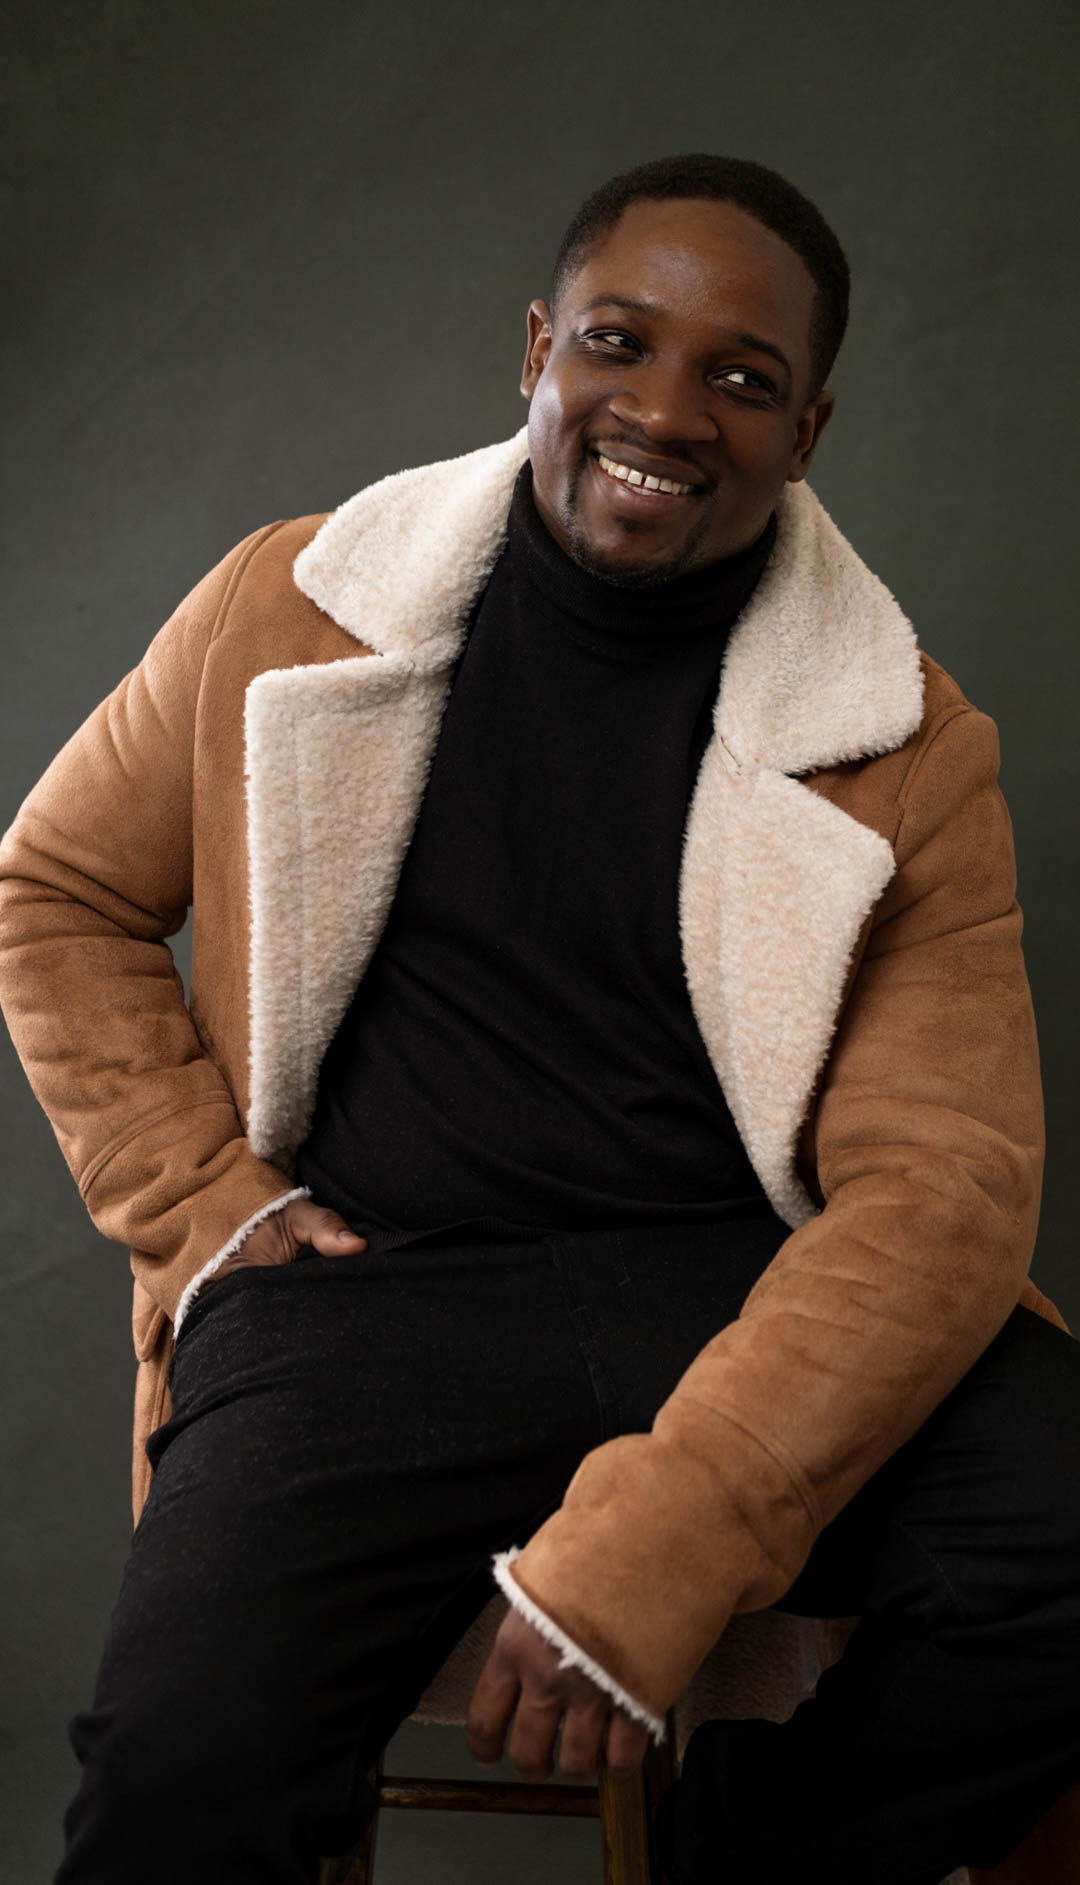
665	403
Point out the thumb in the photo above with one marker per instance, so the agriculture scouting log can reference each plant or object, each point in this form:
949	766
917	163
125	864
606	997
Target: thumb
325	1229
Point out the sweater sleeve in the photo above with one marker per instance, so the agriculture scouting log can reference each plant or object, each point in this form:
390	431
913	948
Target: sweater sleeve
929	1140
95	873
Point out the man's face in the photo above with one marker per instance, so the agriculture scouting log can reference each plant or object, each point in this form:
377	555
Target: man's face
680	351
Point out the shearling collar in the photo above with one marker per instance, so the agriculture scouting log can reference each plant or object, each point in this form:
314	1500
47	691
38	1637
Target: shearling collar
822	666
776	880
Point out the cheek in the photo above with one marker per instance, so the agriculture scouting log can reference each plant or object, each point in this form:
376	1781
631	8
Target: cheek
562	401
759	449
543	420
556	415
544	405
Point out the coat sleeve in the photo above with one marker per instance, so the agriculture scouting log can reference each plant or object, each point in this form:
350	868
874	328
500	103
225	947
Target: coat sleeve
929	1136
95	873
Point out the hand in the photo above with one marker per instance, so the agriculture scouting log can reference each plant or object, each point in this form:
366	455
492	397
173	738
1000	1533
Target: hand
523	1672
278	1238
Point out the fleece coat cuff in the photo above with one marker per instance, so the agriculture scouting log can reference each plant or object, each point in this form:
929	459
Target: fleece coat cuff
660	1539
229	1249
573	1656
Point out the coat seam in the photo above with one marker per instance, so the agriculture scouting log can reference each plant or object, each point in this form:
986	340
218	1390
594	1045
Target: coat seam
262	536
242	563
96	1165
776	1450
943	719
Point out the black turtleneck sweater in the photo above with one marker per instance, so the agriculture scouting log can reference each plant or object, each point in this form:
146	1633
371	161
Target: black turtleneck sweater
521	1053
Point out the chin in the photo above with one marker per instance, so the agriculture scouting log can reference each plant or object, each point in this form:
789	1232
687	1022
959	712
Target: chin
624	572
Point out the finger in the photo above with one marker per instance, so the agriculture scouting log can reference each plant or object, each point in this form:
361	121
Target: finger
532	1738
627	1744
582	1739
331	1236
490	1708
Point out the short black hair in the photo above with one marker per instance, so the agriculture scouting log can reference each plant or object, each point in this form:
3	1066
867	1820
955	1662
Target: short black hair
762	193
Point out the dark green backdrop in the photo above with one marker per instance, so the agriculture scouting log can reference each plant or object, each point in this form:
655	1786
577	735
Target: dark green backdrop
259	254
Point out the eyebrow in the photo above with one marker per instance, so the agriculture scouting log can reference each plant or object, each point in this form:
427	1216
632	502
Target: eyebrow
644	307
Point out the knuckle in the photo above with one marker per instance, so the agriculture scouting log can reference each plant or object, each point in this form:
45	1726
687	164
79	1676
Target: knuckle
546	1688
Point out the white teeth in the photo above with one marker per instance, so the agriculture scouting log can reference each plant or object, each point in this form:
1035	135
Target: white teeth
628	475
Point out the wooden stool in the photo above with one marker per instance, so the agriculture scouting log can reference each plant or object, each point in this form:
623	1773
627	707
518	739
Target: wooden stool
764	1664
626	1810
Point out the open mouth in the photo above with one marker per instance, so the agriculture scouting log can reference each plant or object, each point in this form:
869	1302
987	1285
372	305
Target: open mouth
639	487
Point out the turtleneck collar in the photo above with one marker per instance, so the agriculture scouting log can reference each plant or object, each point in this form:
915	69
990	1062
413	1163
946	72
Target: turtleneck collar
702	599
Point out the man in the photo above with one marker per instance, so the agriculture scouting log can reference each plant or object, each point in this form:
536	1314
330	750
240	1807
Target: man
609	1061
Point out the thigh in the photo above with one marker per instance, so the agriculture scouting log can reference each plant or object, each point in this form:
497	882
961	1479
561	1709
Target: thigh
649	1299
977	1515
350	1439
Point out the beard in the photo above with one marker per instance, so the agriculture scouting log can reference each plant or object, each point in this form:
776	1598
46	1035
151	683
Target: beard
627	574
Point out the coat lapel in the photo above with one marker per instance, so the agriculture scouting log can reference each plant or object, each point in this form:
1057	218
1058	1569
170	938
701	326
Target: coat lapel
822	667
776	881
337	755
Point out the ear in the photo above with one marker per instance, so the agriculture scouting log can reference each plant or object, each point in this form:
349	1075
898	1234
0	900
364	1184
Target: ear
811	424
538	321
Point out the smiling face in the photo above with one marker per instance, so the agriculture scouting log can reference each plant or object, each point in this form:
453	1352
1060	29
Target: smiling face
679	355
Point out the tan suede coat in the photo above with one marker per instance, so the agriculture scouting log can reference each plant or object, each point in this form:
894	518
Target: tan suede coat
851	942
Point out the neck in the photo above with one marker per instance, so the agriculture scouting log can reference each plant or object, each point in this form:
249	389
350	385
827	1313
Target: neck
703	600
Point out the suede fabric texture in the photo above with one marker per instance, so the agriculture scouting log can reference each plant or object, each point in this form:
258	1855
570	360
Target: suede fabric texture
852	947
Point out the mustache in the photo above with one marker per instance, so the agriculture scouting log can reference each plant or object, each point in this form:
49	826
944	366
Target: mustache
649	449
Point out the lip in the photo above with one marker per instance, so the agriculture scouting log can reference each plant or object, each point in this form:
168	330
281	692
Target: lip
652	467
632	500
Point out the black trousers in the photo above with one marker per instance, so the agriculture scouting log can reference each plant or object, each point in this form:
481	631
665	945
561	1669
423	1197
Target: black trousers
351	1438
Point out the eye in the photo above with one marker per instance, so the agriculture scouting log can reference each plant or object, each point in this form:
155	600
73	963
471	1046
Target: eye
746	376
611	336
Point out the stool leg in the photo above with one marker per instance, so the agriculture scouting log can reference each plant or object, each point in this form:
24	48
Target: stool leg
658	1773
628	1815
357	1866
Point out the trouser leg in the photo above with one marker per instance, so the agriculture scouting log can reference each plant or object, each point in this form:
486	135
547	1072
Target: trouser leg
350	1439
952	1721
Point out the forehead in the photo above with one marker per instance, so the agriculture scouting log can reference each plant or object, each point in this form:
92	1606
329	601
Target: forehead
701	261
